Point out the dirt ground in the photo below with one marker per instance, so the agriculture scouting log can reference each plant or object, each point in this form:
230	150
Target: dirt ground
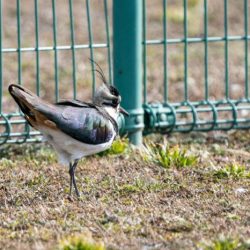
128	200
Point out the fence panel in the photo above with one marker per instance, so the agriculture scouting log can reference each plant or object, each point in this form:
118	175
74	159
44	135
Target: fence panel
45	46
204	65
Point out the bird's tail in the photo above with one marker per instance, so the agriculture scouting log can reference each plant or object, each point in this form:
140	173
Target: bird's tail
33	107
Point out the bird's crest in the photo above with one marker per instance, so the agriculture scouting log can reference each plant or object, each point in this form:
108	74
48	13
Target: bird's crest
100	72
105	94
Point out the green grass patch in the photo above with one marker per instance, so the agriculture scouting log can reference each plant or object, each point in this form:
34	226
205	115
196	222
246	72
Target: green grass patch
227	244
6	163
37	181
168	157
80	242
119	146
233	170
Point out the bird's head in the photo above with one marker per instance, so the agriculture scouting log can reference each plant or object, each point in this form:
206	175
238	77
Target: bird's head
107	95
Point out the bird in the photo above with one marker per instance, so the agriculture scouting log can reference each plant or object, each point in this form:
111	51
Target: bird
74	128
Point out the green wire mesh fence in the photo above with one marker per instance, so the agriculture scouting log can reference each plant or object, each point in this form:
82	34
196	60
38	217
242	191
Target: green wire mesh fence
222	99
179	65
46	46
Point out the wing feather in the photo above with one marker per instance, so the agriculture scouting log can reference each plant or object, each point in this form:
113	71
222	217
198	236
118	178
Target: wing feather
86	124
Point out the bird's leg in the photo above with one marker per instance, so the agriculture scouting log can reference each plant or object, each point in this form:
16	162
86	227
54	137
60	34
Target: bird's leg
73	177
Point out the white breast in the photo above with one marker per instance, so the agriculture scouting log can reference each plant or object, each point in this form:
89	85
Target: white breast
69	149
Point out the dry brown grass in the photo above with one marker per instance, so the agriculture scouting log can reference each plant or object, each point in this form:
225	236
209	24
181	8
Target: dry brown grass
127	202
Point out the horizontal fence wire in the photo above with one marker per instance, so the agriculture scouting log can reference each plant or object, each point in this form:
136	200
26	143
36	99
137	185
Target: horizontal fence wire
205	114
13	126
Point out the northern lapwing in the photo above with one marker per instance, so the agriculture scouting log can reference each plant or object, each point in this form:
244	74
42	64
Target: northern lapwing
74	128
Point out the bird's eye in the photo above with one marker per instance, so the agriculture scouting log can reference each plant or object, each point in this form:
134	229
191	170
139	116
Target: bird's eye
114	91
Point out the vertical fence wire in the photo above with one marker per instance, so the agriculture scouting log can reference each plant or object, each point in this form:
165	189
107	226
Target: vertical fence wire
165	55
185	6
55	50
72	37
37	48
108	42
206	50
1	59
19	60
144	16
226	49
91	45
246	48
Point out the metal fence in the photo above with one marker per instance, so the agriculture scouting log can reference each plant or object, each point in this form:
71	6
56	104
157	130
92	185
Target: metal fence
46	41
171	76
217	106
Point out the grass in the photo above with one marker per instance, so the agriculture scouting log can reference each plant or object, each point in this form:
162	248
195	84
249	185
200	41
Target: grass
80	242
31	153
119	146
129	200
227	244
232	170
170	156
6	163
140	185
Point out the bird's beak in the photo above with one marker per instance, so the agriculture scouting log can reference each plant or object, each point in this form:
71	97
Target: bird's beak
123	111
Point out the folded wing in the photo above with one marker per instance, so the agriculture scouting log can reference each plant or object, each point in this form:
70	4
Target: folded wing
85	124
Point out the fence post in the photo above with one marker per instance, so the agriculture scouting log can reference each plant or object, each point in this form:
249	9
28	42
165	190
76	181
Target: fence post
127	62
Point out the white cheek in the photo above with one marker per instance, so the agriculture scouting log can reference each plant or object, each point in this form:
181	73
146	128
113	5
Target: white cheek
112	112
